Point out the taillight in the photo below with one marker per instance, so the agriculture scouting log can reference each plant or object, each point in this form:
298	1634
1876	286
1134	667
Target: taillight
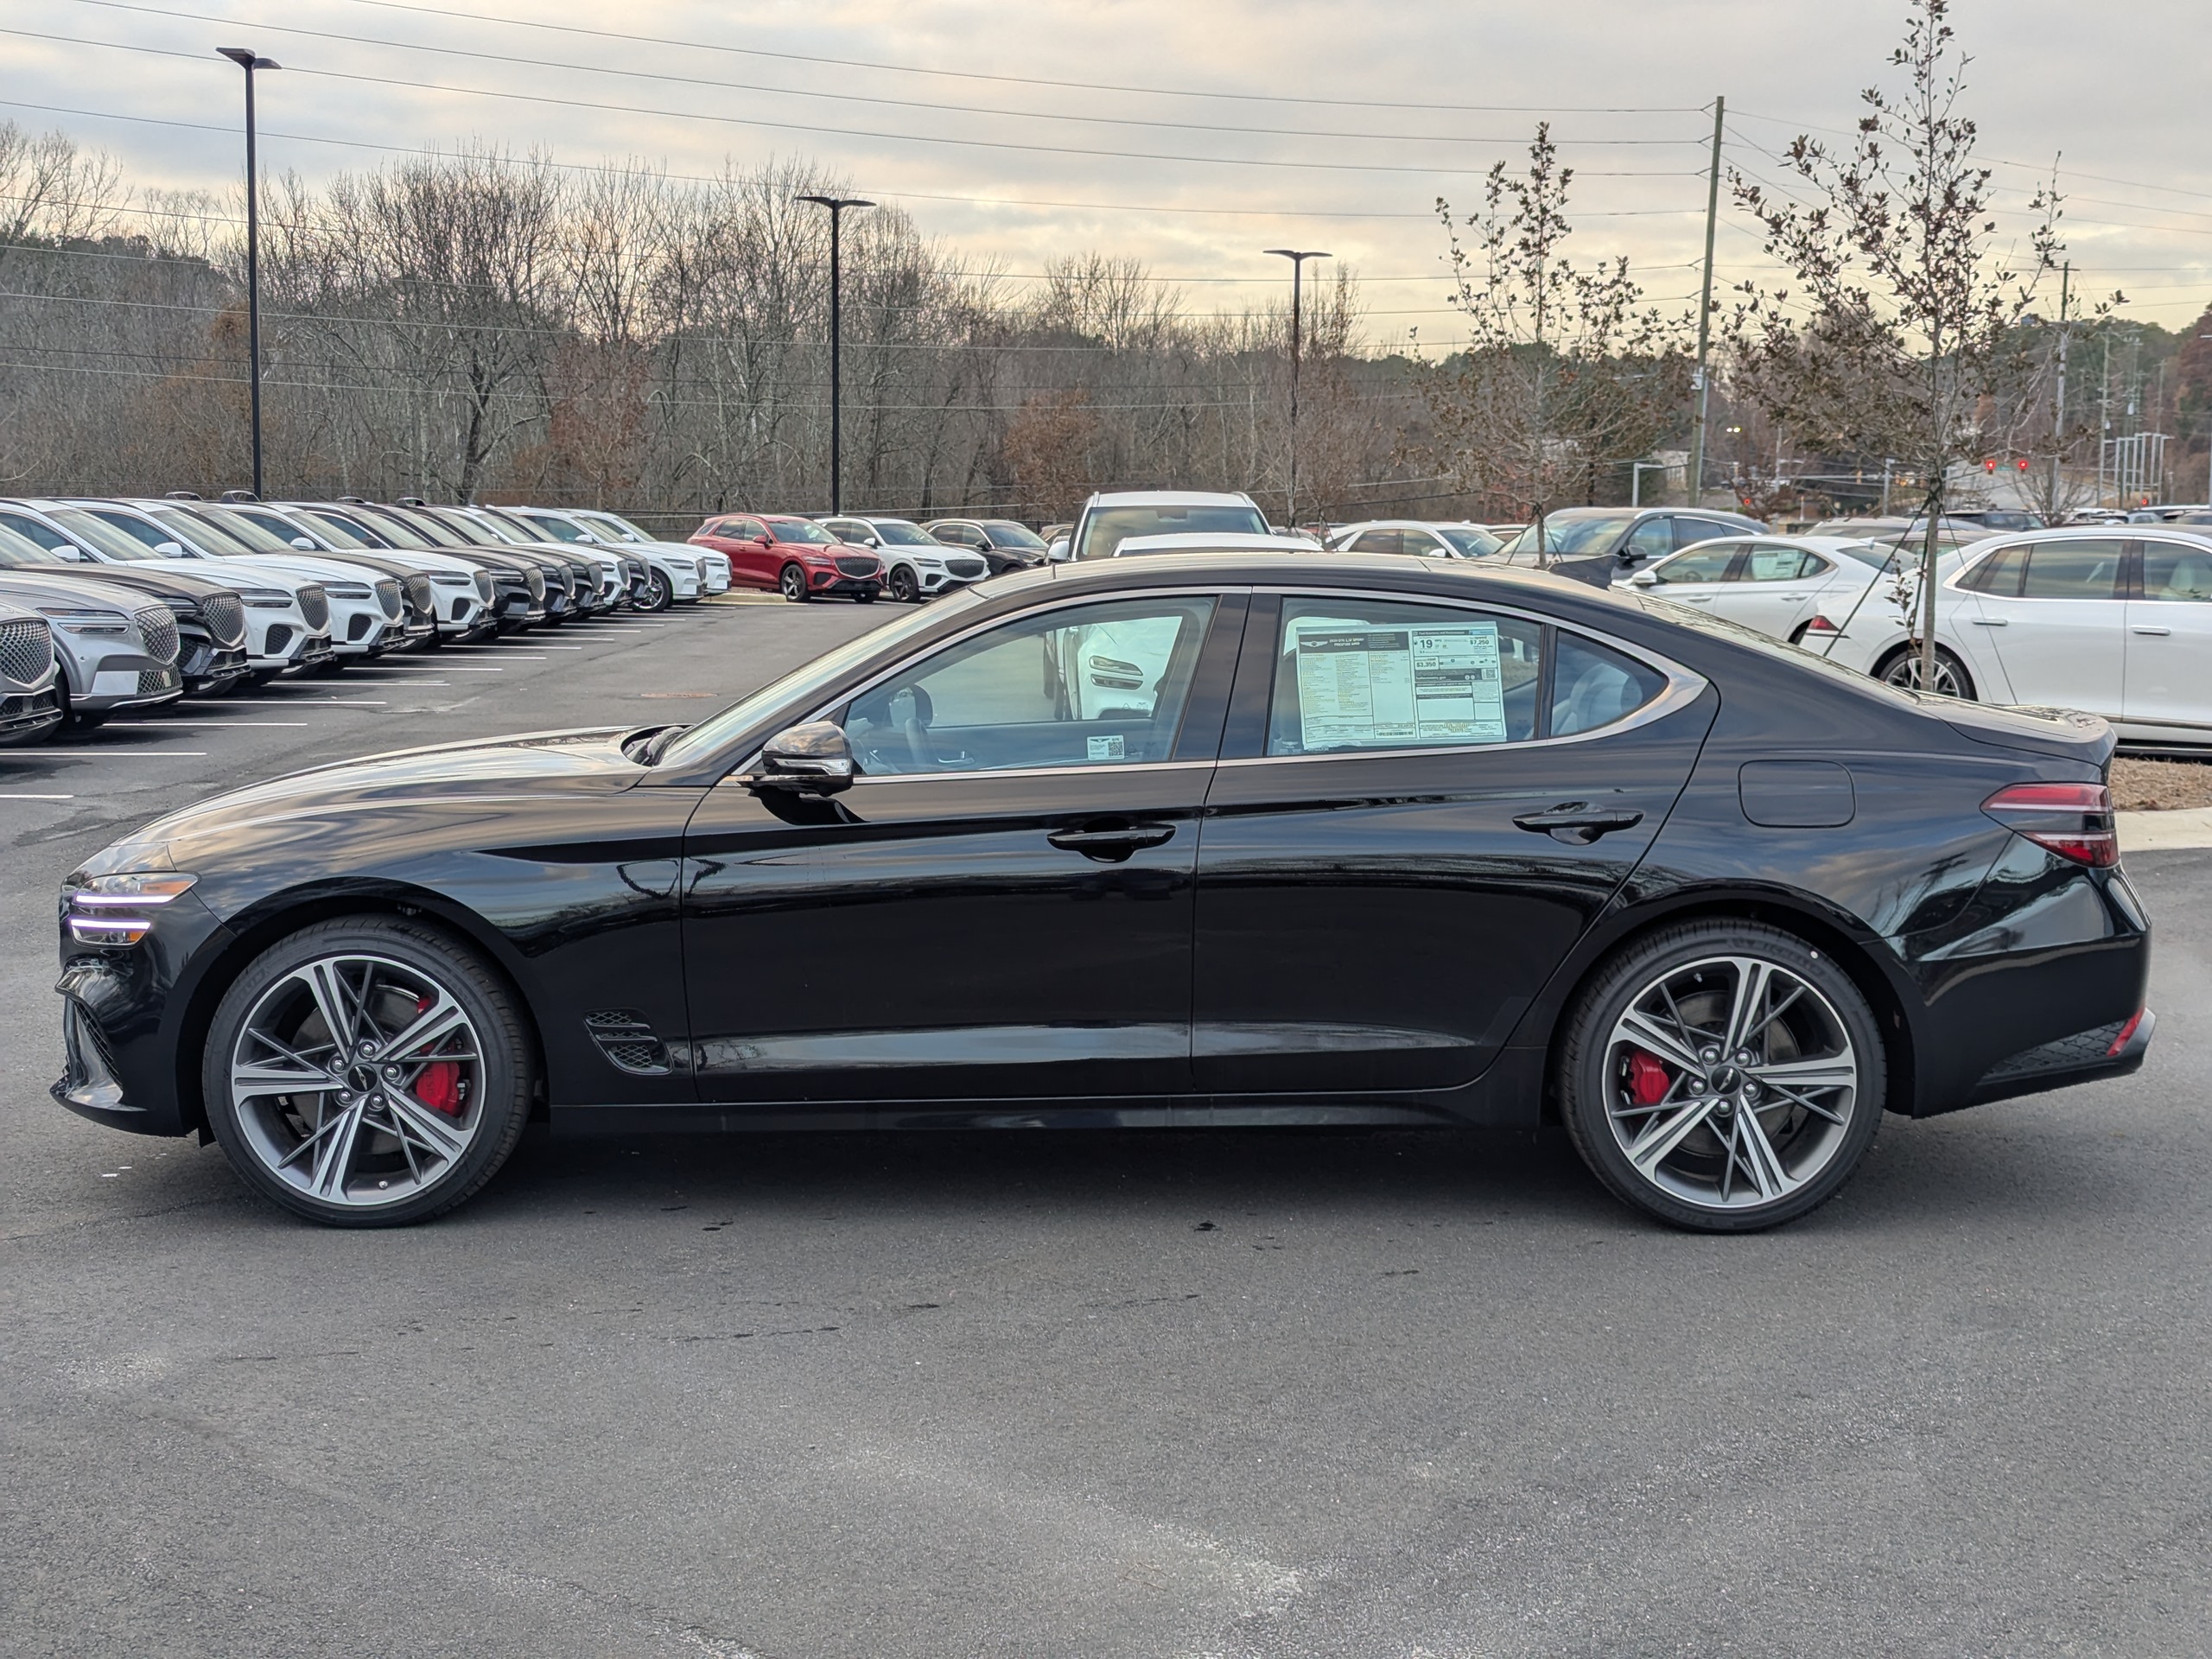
1822	625
2073	820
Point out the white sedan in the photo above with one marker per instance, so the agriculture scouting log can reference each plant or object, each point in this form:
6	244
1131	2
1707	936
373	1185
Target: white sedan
1796	587
1415	536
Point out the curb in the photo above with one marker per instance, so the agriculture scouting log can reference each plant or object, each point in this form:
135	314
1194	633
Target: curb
734	598
2150	832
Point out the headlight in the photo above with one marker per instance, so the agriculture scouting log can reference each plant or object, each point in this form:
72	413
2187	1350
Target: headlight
119	909
268	599
86	621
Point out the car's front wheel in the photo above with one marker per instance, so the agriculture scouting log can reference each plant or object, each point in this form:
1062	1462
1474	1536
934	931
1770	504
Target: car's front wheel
367	1072
660	593
793	584
1722	1076
1902	667
903	588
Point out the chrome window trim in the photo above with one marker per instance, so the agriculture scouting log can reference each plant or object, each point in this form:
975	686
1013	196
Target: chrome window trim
1066	602
1683	686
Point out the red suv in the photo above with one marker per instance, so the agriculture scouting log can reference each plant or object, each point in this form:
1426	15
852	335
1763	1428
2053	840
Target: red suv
796	555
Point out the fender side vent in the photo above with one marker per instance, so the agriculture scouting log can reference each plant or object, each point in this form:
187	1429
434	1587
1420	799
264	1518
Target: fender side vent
628	1042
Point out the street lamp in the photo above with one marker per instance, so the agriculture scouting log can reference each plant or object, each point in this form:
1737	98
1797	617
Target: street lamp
1298	257
1637	470
250	61
836	205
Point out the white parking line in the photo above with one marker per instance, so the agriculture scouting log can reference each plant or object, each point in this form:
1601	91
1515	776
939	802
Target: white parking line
198	725
37	797
423	668
110	754
348	703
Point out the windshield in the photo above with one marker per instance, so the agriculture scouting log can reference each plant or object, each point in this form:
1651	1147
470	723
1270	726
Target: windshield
622	529
897	532
1108	528
703	740
224	536
343	531
506	530
1471	543
389	529
801	531
559	530
1005	535
21	549
427	528
1564	535
103	536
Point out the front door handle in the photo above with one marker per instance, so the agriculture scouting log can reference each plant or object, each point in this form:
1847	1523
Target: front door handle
1112	844
1988	621
2160	632
1578	822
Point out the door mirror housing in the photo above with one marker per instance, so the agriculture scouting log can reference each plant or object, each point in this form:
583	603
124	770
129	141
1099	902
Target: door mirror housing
303	543
1058	550
1644	579
170	549
809	759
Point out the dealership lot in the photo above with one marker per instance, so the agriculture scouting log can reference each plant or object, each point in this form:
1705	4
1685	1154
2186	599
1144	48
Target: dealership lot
1365	1394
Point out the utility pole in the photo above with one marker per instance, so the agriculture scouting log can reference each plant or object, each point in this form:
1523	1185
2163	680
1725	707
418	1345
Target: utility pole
2058	395
248	60
836	205
1705	312
1298	257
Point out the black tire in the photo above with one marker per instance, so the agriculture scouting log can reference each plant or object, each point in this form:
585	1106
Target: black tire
865	596
791	582
1598	1110
1902	668
502	1085
903	588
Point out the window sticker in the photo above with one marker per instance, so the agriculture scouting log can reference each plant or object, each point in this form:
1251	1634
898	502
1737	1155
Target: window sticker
1367	687
1108	748
1775	564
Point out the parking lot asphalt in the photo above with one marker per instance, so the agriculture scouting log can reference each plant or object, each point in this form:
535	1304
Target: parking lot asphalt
1349	1394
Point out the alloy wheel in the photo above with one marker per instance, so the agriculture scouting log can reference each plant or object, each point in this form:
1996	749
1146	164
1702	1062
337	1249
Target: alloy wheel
793	583
1950	678
358	1080
1730	1083
903	588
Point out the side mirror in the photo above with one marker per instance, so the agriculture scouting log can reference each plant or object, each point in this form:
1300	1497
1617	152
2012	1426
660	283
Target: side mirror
170	549
1058	549
303	543
809	759
1644	579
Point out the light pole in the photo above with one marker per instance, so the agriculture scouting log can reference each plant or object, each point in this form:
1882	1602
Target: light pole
836	205
249	61
1637	470
1298	257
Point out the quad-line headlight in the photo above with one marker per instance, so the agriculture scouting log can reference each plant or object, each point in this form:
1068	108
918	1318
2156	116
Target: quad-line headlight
119	909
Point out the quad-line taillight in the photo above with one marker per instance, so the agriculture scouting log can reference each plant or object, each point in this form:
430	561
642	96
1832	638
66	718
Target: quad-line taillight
120	909
2073	820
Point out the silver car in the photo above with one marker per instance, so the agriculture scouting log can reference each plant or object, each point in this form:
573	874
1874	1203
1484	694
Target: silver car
116	649
30	702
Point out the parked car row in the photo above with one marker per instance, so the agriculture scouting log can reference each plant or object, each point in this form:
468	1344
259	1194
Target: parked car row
112	604
860	555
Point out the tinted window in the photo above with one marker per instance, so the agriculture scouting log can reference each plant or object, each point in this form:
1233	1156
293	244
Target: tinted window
1089	685
2087	569
1593	686
2171	571
894	533
1574	531
559	528
1359	675
44	535
1706	565
1006	535
803	533
1998	575
1651	539
1106	529
1687	531
1378	541
1468	541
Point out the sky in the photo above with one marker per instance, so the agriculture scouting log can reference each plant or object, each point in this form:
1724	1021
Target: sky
1192	136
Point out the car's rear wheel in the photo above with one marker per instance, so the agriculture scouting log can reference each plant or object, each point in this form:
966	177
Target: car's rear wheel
903	588
1722	1076
367	1072
793	584
1902	668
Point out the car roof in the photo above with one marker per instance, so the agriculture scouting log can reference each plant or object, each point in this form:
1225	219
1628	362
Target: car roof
1227	540
1172	498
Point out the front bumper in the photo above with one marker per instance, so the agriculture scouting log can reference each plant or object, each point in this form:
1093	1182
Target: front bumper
206	666
24	714
129	683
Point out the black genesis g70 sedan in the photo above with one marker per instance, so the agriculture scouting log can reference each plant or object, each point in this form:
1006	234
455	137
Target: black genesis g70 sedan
1205	839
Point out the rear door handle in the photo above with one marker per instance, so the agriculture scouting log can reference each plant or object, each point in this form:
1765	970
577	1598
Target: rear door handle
2160	632
1115	843
1578	822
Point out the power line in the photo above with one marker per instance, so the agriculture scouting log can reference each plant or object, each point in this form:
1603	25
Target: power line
547	99
721	85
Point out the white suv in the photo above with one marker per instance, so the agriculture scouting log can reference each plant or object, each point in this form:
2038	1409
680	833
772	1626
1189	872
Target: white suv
1111	516
916	564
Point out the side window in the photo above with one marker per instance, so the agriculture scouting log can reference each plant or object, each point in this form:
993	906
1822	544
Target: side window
152	535
1999	575
1706	565
1687	531
1378	541
1090	685
1773	563
45	535
747	530
1593	685
944	533
1353	674
1649	539
2173	571
2086	568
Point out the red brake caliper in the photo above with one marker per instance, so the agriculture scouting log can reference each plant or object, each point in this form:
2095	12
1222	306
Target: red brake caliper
1647	1079
438	1085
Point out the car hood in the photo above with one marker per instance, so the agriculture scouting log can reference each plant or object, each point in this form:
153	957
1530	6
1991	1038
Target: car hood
536	763
30	585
